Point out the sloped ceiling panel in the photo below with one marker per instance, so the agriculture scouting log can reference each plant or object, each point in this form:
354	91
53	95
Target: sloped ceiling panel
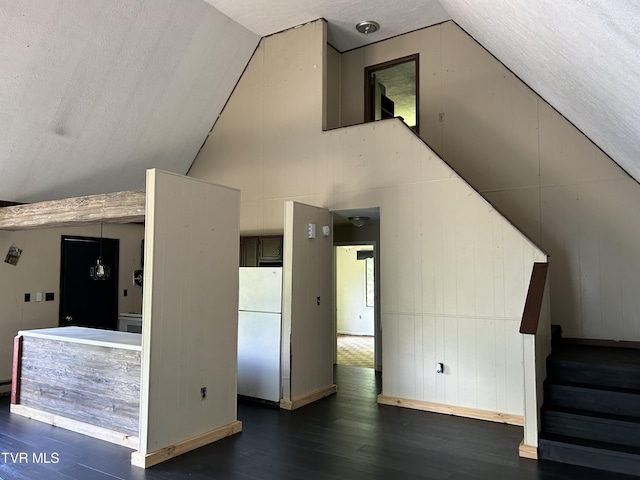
579	55
93	93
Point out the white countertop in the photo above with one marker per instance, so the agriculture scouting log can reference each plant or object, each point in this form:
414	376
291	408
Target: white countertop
89	336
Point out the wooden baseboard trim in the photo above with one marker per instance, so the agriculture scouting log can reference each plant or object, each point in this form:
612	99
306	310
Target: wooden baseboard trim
452	410
307	399
527	451
76	426
142	460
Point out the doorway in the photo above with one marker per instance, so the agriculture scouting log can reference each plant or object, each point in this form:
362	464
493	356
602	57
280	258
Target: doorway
355	305
391	90
86	300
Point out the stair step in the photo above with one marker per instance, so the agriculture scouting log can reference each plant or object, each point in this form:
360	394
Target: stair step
601	366
604	427
618	401
589	453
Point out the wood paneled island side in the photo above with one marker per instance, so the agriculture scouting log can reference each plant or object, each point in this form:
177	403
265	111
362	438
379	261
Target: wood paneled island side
82	379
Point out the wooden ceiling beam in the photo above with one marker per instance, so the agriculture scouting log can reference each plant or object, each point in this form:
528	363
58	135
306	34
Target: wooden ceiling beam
5	203
120	207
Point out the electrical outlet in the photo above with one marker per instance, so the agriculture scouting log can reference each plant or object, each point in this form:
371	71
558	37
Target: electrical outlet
203	393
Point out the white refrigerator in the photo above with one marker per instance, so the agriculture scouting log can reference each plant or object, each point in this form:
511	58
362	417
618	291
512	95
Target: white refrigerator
259	329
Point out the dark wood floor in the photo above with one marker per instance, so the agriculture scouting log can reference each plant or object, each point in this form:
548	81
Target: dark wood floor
346	436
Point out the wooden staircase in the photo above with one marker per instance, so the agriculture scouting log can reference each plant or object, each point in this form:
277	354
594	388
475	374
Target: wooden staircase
591	411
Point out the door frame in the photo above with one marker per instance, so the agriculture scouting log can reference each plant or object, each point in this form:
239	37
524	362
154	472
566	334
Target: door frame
388	64
377	330
115	271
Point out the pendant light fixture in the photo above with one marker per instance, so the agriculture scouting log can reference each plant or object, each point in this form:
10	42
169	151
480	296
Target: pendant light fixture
100	271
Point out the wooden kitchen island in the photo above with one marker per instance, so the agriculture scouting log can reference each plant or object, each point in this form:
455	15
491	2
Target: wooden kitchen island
82	379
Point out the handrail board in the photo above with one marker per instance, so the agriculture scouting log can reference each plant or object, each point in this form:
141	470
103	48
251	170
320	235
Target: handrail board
533	304
119	207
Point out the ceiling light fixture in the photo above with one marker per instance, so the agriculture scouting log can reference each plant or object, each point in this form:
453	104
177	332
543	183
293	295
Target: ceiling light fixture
100	271
367	27
358	221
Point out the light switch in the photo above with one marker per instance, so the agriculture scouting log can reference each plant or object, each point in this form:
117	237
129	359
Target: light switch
311	230
38	296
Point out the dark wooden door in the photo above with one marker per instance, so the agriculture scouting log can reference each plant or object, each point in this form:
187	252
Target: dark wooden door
84	301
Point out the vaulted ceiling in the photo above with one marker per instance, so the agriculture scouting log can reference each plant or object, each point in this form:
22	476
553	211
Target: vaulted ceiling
93	93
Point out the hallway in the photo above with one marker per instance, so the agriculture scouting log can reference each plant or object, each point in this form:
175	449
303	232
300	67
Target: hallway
356	350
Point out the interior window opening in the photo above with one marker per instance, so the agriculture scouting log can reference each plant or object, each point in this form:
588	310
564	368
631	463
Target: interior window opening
391	91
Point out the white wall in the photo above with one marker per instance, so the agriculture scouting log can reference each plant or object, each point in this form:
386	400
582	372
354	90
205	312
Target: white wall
453	273
533	165
352	314
190	310
38	270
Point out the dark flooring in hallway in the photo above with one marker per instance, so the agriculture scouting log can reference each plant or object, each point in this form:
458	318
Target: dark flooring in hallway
346	436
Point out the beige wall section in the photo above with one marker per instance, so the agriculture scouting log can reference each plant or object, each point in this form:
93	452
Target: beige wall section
426	43
333	76
38	270
308	330
190	309
533	165
353	316
453	272
274	117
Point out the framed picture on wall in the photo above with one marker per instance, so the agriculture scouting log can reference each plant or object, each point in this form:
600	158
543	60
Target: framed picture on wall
13	255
